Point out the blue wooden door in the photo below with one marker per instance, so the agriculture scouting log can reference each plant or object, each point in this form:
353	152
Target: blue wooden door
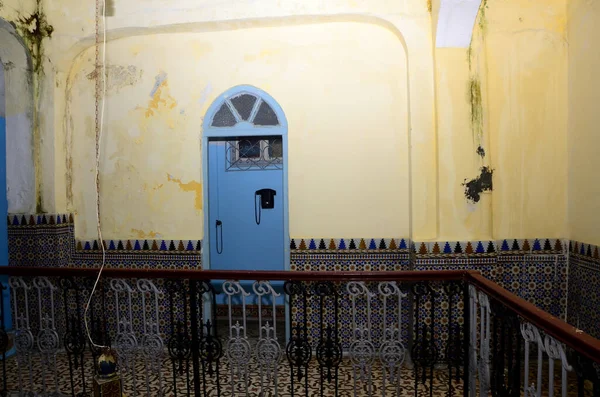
243	235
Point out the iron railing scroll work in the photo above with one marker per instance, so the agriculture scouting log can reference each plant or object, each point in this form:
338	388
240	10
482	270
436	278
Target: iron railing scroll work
258	333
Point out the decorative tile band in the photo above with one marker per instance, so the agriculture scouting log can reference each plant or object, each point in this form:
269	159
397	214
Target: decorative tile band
478	248
49	240
161	246
341	244
435	248
588	251
490	247
39	219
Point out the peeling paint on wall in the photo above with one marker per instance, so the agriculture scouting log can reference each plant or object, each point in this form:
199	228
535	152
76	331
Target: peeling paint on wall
160	101
143	235
483	183
193	186
141	151
159	80
480	151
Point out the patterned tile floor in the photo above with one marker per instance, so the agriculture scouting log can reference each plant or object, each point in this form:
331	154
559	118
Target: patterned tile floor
162	384
153	383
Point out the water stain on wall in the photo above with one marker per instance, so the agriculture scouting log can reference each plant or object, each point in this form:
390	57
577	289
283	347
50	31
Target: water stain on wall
476	106
34	28
483	183
192	186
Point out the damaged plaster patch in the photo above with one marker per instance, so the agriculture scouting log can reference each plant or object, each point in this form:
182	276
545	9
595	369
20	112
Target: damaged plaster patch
118	76
480	151
483	183
121	76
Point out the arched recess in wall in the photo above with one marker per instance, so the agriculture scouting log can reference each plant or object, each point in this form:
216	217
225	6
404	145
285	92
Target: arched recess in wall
390	95
18	113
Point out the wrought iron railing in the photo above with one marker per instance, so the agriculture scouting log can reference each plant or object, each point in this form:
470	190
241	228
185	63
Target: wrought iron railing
209	333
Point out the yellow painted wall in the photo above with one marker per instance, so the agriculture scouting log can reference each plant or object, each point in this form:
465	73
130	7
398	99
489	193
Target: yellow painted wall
584	121
526	64
344	91
519	57
339	70
460	219
408	22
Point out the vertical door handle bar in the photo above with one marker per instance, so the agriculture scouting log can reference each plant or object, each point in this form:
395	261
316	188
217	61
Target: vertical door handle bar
219	236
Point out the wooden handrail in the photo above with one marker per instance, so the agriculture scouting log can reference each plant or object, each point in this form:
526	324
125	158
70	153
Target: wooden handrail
583	343
443	275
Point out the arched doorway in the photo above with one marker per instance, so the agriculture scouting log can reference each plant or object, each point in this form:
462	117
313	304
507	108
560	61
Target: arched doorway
245	172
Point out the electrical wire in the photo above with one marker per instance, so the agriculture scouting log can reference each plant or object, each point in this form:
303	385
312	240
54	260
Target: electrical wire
98	145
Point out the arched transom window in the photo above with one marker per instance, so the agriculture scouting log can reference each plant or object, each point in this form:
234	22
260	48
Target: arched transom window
245	107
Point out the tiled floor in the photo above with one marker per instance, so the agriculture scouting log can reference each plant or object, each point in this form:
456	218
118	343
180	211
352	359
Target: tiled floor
164	384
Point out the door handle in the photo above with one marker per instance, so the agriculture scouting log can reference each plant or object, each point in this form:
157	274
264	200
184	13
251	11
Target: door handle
219	233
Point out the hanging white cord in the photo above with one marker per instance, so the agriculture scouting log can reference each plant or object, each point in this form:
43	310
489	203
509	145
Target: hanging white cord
97	179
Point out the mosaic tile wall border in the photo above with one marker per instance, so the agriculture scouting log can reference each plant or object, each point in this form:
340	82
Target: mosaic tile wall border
489	247
59	229
49	240
536	269
398	244
588	252
584	287
350	244
433	248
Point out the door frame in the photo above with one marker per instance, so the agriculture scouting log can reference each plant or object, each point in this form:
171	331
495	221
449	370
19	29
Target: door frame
242	129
